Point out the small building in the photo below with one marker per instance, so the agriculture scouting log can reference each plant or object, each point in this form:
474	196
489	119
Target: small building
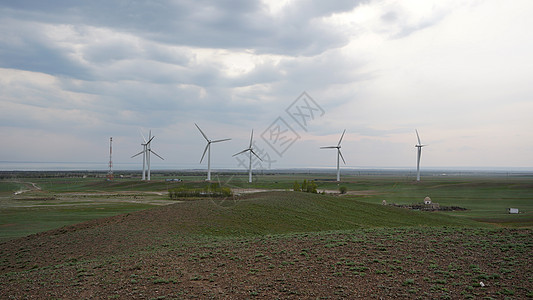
429	205
512	210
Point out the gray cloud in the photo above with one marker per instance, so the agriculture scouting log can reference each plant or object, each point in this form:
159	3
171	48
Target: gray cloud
23	46
211	24
96	67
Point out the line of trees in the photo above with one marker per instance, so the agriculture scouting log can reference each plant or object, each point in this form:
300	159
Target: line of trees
307	186
211	190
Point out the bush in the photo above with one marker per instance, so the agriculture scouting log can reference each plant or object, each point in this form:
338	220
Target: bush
343	189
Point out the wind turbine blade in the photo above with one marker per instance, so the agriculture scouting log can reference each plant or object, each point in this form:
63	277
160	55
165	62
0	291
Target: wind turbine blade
205	150
156	154
218	179
241	152
150	139
256	155
138	154
328	147
418	137
144	139
251	138
205	136
340	153
223	140
338	145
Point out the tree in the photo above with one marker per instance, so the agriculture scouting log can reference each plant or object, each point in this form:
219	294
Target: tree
311	187
304	186
296	186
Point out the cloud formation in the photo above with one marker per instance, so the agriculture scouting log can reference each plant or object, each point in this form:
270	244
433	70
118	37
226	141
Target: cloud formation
85	70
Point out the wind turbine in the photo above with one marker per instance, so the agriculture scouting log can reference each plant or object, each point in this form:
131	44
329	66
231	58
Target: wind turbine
251	152
146	154
208	150
418	154
339	155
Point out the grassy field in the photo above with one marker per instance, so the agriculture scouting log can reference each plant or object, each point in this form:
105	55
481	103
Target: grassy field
45	204
48	203
267	241
486	199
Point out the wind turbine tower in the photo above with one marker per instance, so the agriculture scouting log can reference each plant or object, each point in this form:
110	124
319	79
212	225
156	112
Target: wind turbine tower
418	155
110	172
147	150
251	150
208	150
339	155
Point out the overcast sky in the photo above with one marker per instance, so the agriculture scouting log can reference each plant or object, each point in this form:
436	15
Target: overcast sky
74	73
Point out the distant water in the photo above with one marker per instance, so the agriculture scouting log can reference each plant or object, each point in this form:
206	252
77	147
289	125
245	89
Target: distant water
61	166
103	166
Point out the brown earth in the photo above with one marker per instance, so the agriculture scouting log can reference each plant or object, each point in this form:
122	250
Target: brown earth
145	255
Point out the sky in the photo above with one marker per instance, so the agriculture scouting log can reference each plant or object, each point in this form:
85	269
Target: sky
298	73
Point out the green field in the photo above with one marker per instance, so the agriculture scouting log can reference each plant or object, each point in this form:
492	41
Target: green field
48	203
128	239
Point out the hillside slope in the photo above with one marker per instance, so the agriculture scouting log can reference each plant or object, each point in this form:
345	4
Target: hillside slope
270	245
255	214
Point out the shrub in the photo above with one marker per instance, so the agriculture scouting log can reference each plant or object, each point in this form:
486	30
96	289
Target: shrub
343	189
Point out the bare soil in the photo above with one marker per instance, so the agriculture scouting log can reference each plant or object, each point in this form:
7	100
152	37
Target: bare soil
144	255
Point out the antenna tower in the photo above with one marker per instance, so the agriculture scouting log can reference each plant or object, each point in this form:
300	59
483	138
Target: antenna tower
110	172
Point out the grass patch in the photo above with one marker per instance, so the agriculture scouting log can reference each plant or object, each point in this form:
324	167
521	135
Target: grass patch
21	221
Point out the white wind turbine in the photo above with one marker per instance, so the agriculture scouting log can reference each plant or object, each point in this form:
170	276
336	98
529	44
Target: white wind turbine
339	155
146	155
251	152
418	154
208	150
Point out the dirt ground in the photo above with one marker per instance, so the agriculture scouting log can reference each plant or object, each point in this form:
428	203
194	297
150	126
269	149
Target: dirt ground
144	256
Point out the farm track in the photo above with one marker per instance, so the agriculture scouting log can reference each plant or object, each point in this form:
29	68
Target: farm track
31	185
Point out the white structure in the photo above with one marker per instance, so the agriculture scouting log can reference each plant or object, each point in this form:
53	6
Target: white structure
251	150
147	150
208	150
418	154
339	155
427	201
513	210
110	172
